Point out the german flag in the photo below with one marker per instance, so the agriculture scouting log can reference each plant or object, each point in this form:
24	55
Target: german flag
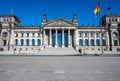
97	9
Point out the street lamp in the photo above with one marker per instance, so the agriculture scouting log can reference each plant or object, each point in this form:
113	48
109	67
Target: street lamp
9	30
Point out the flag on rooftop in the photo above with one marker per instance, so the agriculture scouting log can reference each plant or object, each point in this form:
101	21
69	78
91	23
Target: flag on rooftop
97	9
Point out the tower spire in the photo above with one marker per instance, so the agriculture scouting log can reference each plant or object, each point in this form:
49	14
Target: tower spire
74	20
44	20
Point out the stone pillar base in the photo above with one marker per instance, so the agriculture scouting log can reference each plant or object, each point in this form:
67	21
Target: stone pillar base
63	46
56	46
69	45
50	46
42	47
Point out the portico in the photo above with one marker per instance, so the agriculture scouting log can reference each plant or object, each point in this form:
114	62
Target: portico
58	32
58	37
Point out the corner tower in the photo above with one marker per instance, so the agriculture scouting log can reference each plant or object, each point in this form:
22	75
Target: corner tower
9	19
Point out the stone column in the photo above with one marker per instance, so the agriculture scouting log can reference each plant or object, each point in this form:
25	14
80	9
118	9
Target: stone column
36	42
44	37
19	42
83	38
41	39
50	38
107	41
30	42
62	38
25	42
112	41
76	39
88	38
11	42
0	40
94	39
69	44
100	38
117	41
117	37
56	41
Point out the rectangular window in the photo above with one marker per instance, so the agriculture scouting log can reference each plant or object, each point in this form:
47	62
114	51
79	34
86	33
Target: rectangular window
91	34
86	34
115	19
118	49
33	34
4	42
80	35
112	19
97	34
38	34
102	34
10	20
22	35
4	20
27	34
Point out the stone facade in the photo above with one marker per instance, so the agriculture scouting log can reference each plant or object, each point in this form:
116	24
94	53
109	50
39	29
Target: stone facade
60	33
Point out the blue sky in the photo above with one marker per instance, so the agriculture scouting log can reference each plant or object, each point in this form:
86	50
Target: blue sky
31	11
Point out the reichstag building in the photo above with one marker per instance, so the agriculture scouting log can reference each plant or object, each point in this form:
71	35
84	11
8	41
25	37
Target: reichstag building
60	34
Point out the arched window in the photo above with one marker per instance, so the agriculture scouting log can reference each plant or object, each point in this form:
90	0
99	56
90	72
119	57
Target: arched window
16	42
114	34
86	42
103	42
92	42
97	42
5	34
80	42
115	42
38	42
27	42
22	42
33	42
4	42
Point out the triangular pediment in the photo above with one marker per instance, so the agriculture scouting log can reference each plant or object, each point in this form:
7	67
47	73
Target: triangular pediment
59	22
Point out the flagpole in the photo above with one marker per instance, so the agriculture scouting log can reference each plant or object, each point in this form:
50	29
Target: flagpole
12	11
109	8
102	51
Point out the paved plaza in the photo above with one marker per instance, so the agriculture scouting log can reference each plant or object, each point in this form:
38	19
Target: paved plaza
59	68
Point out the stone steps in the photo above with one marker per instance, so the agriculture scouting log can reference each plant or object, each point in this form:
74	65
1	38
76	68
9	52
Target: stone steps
58	51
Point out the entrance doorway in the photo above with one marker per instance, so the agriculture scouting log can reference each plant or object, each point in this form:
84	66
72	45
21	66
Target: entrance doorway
65	38
53	38
59	39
